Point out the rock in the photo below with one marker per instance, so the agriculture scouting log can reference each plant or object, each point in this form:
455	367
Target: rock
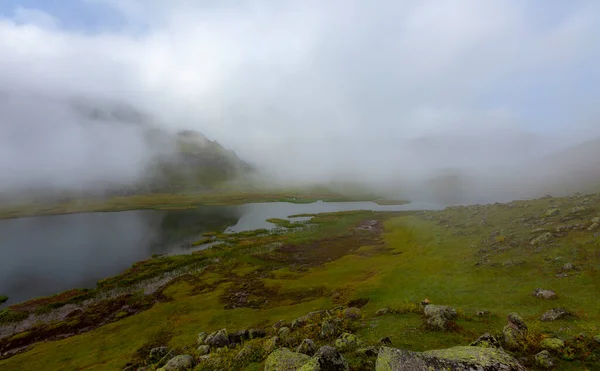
552	344
541	239
308	318
367	352
544	294
203	350
486	341
352	313
284	359
438	316
552	212
256	333
456	358
284	332
307	347
217	339
239	337
567	267
556	314
201	338
157	353
326	359
179	363
329	328
593	227
383	311
271	344
544	360
347	342
210	362
249	353
279	324
515	332
385	341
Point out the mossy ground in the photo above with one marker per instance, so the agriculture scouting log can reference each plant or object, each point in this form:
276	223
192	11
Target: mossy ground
475	259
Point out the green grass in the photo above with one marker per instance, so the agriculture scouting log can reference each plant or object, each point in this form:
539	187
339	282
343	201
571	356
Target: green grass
474	259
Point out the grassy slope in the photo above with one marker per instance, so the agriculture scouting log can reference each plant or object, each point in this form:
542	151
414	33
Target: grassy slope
432	255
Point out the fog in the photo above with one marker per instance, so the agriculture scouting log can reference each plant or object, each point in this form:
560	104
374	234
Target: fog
467	100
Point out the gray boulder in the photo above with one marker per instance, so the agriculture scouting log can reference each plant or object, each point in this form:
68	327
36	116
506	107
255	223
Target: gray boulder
544	294
307	347
157	353
438	316
347	342
284	359
515	332
326	359
217	339
179	363
556	314
352	313
451	359
256	333
544	360
330	328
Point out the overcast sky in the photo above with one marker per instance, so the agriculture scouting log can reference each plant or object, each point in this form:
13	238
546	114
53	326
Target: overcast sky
304	86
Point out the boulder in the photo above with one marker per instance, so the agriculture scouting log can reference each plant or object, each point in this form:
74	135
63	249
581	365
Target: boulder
284	359
157	353
352	313
515	332
271	344
552	344
556	314
239	337
217	339
249	353
347	342
330	328
307	347
326	359
541	239
203	350
486	341
544	294
201	337
544	360
438	316
256	333
179	363
456	358
284	332
308	318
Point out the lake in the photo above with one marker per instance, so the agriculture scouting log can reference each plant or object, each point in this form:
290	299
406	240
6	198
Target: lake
45	255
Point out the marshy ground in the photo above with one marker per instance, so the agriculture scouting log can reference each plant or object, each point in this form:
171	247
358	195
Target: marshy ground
484	260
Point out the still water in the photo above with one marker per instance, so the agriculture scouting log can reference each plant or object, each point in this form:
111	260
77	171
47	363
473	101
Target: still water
41	256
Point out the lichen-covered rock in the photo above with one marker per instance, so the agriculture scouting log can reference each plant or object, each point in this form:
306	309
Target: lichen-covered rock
309	318
347	342
203	350
544	294
552	344
352	313
307	347
516	321
455	359
284	359
284	332
438	316
210	363
256	333
239	336
179	363
217	339
330	328
157	353
326	359
544	360
201	338
541	239
556	314
486	341
271	344
249	353
515	332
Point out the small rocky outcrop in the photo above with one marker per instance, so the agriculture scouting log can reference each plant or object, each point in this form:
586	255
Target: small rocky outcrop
486	341
352	313
307	347
515	332
438	316
284	359
556	314
456	358
347	342
179	363
217	339
552	344
544	360
544	294
326	359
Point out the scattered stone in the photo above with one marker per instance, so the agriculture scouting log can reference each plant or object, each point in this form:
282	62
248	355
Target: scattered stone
347	342
552	212
438	316
593	227
544	294
217	339
201	338
352	313
203	350
157	353
284	332
568	267
556	314
544	360
367	352
326	359
541	239
456	358
383	311
307	318
256	333
249	353
285	359
329	328
486	341
239	336
271	344
179	363
385	341
307	347
552	344
279	324
515	332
